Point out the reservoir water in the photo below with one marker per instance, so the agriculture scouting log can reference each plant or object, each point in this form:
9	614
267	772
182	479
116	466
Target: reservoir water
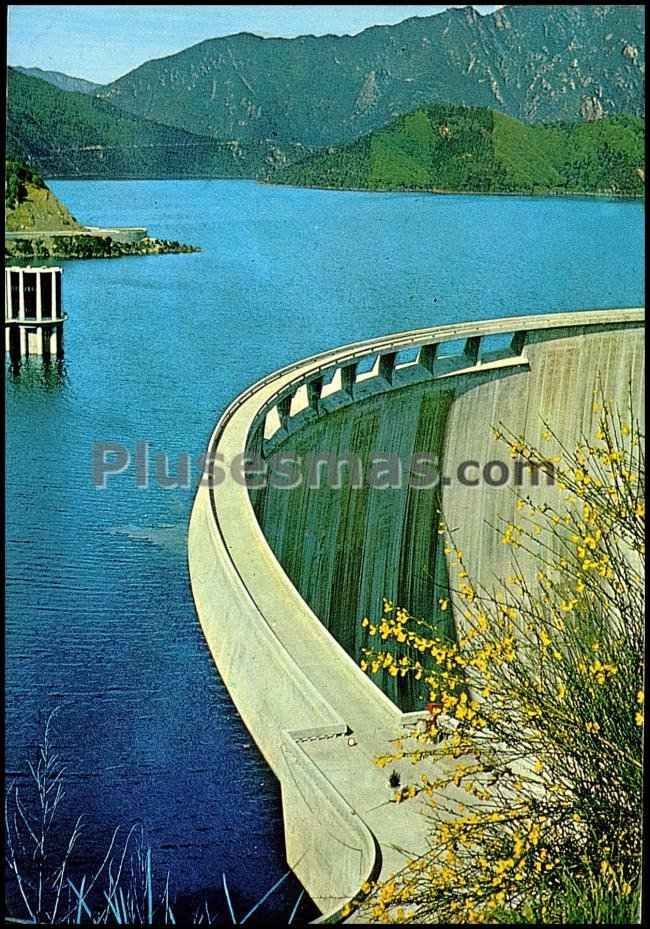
99	614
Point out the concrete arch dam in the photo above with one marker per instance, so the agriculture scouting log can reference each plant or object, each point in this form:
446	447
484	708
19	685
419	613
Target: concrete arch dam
282	577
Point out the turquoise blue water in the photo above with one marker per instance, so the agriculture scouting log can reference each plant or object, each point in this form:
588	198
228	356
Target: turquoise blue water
100	619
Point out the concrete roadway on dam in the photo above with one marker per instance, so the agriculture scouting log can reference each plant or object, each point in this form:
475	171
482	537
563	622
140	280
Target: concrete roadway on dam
318	719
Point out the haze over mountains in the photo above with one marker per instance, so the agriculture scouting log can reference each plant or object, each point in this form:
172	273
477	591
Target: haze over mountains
243	106
537	63
61	80
69	134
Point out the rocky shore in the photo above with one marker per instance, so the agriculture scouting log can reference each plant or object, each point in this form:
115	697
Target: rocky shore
73	245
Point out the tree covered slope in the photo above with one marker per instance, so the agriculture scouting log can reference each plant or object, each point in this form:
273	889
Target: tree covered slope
30	205
71	134
455	148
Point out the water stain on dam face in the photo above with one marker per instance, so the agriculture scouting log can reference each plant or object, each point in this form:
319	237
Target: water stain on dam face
346	548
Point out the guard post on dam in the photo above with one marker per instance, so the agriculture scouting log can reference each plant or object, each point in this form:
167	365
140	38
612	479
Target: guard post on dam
33	312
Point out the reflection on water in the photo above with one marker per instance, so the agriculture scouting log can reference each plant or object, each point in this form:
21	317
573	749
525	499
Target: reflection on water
99	614
17	262
30	371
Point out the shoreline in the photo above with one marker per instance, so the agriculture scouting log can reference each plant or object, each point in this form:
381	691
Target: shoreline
602	195
579	195
68	247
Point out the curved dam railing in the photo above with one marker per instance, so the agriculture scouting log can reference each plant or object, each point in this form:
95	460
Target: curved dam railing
270	569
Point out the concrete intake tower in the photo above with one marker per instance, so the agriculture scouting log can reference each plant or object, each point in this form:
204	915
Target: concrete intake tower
33	314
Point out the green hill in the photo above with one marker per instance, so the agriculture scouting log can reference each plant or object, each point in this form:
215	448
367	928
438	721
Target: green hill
71	134
29	204
39	226
456	148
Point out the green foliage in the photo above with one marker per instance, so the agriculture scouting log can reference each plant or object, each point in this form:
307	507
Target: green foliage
17	176
71	134
90	246
396	154
578	901
457	148
532	763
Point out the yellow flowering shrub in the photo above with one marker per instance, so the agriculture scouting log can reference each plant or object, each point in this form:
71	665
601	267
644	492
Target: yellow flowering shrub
538	704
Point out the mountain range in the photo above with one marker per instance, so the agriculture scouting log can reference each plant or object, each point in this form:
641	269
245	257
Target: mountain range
245	106
536	63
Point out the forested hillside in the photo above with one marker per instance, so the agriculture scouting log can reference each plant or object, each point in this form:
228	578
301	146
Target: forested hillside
451	148
70	134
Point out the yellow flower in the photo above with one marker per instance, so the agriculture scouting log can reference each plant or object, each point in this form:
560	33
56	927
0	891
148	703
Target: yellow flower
467	593
638	718
602	671
592	727
444	603
639	698
508	536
